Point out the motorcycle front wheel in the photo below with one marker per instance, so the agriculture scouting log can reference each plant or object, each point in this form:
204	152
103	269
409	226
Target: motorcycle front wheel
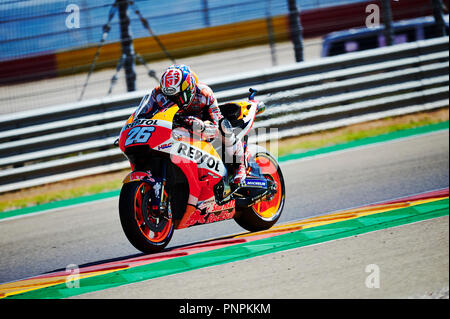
147	232
264	214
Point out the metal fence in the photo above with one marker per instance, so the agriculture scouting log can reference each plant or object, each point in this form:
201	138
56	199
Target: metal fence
47	46
76	139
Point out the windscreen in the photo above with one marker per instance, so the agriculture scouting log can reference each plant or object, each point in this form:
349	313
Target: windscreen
142	108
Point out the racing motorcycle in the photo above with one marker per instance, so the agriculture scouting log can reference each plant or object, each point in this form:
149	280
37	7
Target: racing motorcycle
178	180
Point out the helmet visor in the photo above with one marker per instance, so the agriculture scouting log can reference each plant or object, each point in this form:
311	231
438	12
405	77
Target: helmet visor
182	99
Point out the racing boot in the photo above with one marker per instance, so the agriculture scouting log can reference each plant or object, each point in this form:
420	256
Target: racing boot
241	173
234	149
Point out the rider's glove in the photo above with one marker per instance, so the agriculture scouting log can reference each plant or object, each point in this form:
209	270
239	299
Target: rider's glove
203	129
206	129
194	123
210	130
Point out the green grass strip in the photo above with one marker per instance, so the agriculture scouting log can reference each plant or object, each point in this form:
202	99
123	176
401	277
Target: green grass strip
300	238
59	204
323	150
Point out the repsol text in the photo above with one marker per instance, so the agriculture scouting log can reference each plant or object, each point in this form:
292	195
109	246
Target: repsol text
199	157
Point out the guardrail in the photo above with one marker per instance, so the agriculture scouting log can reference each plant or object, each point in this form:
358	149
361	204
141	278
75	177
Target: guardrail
74	140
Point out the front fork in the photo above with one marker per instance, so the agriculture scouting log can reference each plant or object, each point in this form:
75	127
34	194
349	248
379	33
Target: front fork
158	199
163	207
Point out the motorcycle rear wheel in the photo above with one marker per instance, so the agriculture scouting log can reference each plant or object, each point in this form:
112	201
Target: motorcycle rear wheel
134	202
265	214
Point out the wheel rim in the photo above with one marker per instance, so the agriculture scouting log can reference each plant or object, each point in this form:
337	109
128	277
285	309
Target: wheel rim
139	210
270	209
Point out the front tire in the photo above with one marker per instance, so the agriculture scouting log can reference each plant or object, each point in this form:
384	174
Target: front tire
264	214
133	204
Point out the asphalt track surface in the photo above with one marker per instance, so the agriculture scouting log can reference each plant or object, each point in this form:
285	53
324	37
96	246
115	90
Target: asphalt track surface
335	269
91	233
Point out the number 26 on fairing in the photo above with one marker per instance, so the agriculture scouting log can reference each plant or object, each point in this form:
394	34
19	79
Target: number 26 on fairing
139	135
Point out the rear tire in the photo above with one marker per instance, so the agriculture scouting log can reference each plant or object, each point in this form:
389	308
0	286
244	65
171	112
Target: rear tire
133	200
264	214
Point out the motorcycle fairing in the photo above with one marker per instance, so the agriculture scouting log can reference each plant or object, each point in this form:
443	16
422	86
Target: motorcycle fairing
241	115
137	176
200	152
202	166
207	212
153	132
197	159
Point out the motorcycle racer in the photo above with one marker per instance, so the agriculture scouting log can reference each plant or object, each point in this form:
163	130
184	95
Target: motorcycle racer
178	180
199	110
